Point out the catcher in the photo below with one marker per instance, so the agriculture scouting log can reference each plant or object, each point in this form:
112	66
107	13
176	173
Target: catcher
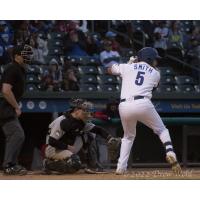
72	132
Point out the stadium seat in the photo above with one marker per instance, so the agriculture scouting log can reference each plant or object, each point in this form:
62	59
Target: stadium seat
32	69
88	88
184	88
164	71
55	51
89	79
169	80
165	88
83	60
88	70
127	53
42	35
138	25
94	61
73	59
197	88
31	87
56	35
102	70
32	78
55	43
108	79
186	26
109	88
184	80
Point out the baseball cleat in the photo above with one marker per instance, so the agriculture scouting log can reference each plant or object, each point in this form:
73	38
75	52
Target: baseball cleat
15	170
120	172
176	168
95	171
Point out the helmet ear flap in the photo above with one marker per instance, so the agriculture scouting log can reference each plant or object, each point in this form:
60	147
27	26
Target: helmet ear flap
149	61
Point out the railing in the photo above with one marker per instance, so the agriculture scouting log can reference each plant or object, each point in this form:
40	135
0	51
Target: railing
131	39
182	62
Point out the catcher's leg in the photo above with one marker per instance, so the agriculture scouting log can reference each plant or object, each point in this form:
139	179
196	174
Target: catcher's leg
62	161
69	165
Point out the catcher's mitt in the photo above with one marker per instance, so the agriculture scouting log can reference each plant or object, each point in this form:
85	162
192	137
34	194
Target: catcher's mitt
114	145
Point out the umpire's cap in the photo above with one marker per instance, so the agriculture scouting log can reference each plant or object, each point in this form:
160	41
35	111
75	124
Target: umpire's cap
148	54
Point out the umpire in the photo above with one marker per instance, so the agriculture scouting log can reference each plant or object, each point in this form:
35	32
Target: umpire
12	88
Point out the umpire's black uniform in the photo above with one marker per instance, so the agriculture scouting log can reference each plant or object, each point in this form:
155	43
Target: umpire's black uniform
13	75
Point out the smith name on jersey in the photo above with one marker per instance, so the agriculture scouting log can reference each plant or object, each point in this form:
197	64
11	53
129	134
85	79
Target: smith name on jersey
138	79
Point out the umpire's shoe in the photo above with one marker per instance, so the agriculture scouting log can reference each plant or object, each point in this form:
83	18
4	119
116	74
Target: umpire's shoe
171	159
15	170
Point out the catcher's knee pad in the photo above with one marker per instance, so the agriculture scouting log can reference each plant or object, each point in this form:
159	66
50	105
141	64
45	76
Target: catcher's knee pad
69	165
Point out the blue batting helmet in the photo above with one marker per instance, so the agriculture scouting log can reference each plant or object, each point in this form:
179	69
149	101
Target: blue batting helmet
148	55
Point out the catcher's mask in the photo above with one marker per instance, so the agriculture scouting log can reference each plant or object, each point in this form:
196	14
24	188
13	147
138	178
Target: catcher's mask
25	51
86	106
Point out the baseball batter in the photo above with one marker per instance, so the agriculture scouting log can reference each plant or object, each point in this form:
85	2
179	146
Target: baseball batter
139	77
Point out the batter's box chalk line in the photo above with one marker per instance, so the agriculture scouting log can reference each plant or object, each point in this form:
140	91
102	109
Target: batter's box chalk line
158	173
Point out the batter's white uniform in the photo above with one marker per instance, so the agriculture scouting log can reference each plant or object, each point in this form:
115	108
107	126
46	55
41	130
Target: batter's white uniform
138	81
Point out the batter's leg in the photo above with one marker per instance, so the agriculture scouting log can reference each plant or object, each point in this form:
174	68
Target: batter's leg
129	127
152	119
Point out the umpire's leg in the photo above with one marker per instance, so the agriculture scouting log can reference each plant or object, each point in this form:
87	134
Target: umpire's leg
14	134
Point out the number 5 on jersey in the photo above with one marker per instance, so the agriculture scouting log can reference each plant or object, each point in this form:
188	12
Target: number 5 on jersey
139	78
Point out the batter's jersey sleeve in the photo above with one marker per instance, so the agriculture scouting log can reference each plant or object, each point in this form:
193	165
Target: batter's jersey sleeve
118	69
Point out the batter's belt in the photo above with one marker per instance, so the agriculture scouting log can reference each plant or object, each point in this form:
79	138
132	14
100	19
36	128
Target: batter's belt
135	98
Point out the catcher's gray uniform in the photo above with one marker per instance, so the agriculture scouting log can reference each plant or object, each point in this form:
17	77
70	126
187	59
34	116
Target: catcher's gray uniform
56	132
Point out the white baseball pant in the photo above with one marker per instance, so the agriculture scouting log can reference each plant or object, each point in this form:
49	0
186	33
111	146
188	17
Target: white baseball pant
131	112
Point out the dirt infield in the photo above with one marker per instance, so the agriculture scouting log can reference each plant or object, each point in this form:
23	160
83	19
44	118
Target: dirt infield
134	174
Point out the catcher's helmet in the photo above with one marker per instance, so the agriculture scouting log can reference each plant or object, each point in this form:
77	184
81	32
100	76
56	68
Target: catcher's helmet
25	51
148	55
82	104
